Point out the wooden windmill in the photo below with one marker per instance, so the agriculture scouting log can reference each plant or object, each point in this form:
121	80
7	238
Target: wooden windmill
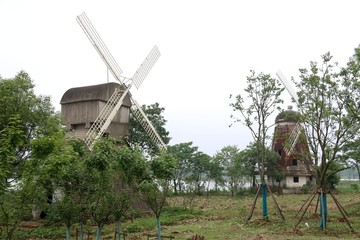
290	143
121	93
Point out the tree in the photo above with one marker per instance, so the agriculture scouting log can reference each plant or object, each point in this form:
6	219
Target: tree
24	119
199	169
101	193
155	191
137	136
328	100
229	159
263	93
31	115
182	153
130	170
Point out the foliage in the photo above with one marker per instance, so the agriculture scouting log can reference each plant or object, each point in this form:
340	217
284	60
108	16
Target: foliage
24	120
24	117
263	93
182	153
229	159
325	97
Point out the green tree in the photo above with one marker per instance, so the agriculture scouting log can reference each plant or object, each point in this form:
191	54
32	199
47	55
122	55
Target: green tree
101	197
199	166
130	170
215	174
34	115
182	153
25	118
328	99
155	191
137	136
263	98
229	159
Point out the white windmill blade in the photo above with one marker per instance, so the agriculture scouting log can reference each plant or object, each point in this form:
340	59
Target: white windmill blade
146	66
100	46
105	117
295	133
147	125
288	87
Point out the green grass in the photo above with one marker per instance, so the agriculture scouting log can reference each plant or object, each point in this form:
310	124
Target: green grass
222	217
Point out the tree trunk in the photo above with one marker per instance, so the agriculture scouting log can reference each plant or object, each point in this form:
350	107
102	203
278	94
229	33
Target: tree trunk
119	229
264	200
67	232
98	231
323	210
158	228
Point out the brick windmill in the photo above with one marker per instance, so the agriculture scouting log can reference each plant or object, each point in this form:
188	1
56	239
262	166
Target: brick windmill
93	111
290	142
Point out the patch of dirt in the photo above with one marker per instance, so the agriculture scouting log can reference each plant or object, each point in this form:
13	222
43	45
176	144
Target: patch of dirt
30	224
260	237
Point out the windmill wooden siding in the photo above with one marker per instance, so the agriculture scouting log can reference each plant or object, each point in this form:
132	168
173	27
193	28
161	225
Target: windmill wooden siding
80	107
297	168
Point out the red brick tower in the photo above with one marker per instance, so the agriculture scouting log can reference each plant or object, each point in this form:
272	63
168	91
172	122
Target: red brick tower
296	167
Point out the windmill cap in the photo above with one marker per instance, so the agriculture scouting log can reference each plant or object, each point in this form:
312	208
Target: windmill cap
288	115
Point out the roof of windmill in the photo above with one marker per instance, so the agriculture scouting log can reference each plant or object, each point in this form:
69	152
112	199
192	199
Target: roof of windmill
288	115
101	92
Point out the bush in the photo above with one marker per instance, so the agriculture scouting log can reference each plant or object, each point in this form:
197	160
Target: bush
133	228
307	187
354	186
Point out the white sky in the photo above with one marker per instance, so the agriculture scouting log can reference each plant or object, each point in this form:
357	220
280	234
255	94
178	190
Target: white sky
207	47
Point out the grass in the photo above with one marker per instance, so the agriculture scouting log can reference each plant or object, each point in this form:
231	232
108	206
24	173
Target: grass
222	217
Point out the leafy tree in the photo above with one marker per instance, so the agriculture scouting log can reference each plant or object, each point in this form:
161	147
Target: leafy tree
34	117
137	136
324	99
200	167
263	93
182	153
102	196
215	174
24	119
229	159
155	191
130	170
328	99
63	176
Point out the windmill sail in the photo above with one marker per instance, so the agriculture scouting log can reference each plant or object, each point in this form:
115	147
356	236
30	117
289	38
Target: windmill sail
105	117
294	135
100	46
147	125
116	100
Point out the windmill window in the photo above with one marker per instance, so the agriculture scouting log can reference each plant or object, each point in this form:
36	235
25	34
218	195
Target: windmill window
279	152
294	162
296	179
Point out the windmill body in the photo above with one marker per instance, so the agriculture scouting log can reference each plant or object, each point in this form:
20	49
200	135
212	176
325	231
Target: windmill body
81	106
296	166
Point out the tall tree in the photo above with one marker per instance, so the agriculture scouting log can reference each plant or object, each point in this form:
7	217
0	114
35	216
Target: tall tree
263	98
199	166
32	115
24	119
328	100
182	153
155	191
229	159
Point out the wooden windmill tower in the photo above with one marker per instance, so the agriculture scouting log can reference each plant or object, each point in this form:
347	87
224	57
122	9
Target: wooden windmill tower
290	143
93	111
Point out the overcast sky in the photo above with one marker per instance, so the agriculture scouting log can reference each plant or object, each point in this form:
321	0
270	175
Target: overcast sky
207	49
